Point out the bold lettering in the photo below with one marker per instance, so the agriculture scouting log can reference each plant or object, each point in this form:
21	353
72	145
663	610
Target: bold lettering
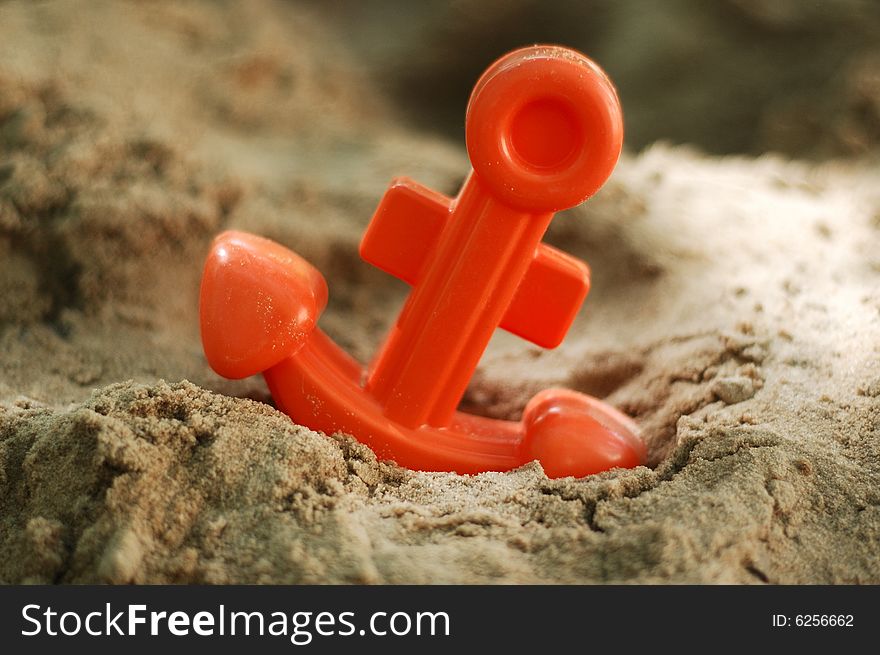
154	621
203	624
178	623
134	619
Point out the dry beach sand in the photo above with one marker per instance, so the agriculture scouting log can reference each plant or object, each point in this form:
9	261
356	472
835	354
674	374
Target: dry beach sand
735	313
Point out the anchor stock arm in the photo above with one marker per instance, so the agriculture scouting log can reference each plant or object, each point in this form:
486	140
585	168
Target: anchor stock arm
407	225
548	298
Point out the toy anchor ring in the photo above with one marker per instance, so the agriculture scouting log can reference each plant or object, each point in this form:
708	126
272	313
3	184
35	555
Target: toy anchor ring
543	131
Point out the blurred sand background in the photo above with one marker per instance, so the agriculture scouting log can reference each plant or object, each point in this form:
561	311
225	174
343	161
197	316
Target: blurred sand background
735	310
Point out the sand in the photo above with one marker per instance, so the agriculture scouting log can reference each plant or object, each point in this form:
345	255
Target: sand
735	313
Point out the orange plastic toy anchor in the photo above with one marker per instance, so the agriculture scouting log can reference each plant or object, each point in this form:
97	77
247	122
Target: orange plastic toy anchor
543	131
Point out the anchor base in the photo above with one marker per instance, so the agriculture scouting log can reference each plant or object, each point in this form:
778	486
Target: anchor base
569	433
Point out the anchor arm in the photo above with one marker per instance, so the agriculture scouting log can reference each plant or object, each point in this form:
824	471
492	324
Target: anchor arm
548	298
404	229
407	225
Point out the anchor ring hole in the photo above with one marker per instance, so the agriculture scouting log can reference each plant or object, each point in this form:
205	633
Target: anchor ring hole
544	134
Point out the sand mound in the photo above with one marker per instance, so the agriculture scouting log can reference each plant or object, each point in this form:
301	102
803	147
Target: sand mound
735	314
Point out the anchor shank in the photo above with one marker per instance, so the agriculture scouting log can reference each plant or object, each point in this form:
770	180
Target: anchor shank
448	319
